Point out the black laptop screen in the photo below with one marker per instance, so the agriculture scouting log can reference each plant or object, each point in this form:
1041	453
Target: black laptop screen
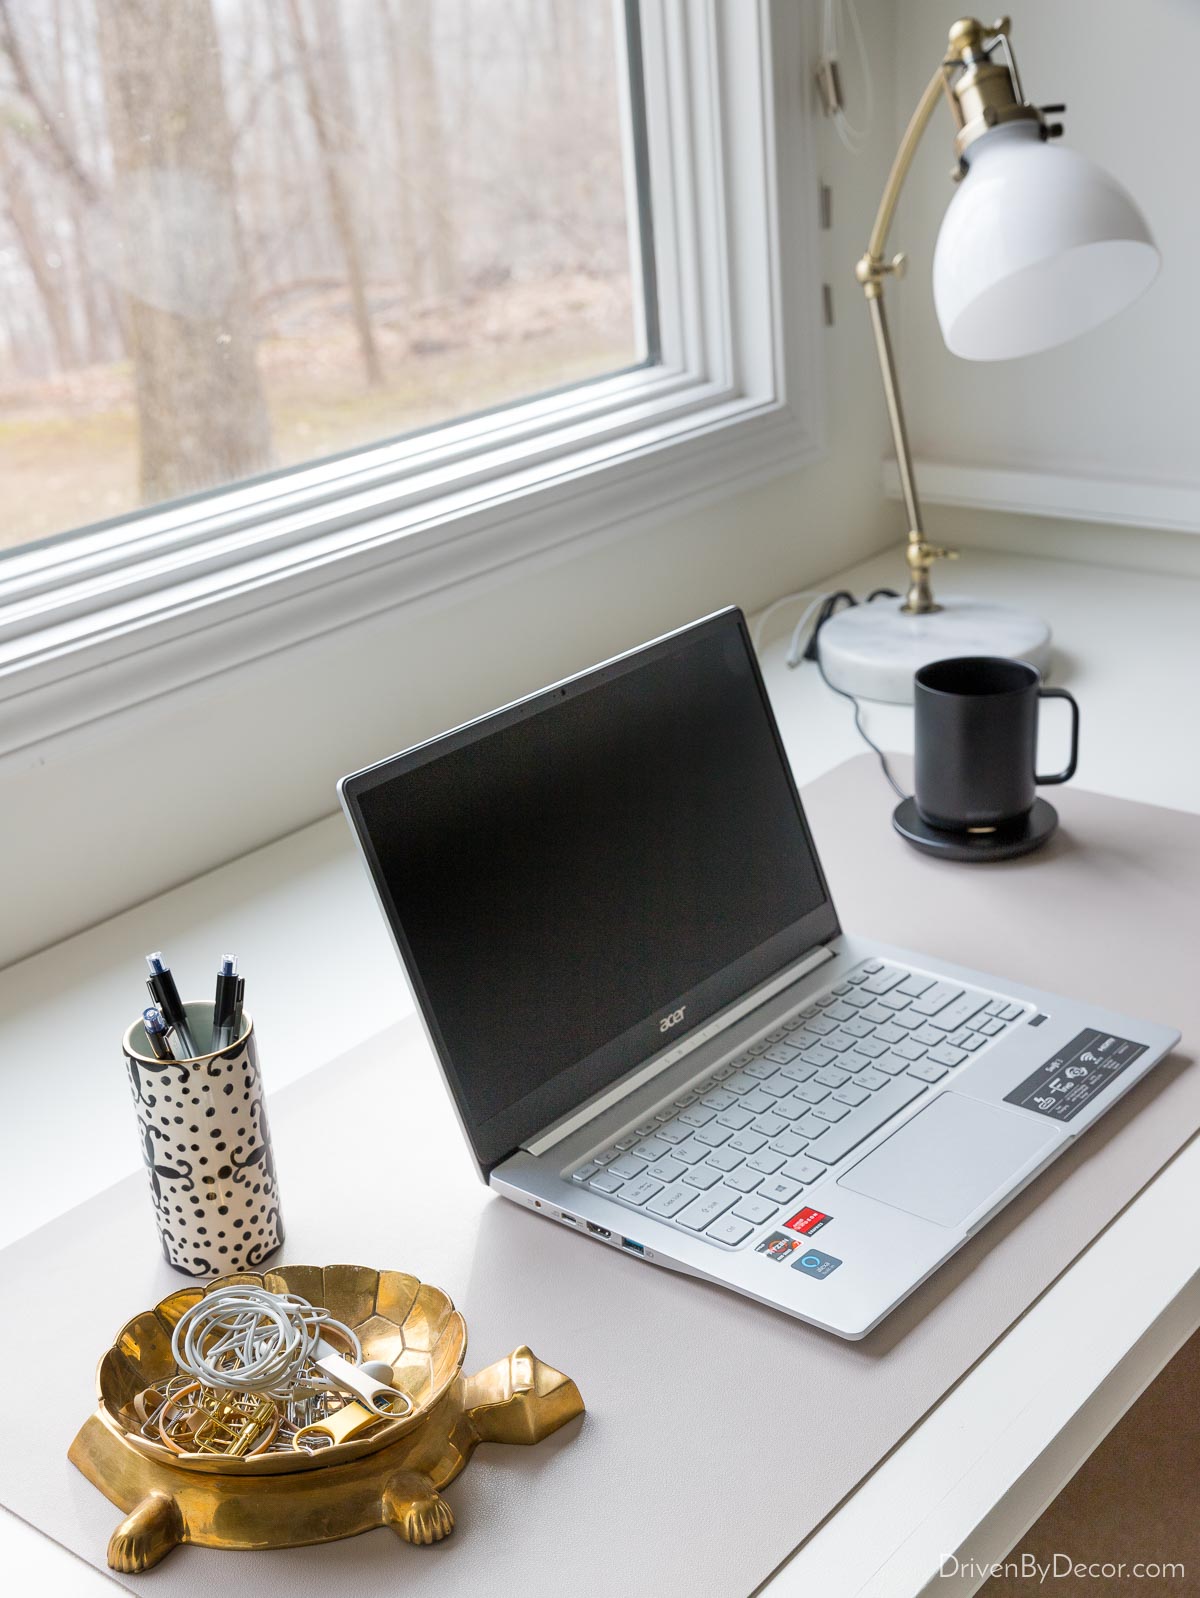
564	877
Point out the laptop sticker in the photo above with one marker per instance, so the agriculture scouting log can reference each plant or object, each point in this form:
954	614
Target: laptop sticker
1080	1070
778	1246
808	1221
813	1263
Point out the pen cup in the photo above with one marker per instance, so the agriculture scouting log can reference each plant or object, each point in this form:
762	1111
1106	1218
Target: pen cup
202	1124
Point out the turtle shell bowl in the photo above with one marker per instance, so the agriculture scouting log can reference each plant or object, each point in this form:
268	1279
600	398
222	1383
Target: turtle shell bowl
391	1476
407	1324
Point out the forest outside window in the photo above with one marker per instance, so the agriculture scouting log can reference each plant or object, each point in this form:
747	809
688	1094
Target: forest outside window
236	237
312	308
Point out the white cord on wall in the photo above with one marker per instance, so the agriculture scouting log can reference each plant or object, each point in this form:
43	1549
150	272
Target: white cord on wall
852	136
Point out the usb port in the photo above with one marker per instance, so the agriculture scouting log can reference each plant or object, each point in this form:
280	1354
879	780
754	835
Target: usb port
634	1248
570	1219
600	1231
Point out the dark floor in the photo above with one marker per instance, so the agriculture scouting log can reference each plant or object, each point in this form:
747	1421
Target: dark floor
1135	1501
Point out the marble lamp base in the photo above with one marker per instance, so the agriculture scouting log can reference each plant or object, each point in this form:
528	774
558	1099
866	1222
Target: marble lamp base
872	650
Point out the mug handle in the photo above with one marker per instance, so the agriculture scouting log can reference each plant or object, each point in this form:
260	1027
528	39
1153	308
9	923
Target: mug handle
1069	770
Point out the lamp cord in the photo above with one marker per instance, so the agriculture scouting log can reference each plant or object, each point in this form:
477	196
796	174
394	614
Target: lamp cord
831	26
863	733
829	608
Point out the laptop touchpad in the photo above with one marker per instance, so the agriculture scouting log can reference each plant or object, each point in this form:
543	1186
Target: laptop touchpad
951	1158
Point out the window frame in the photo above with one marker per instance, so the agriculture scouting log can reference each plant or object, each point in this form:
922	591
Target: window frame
95	621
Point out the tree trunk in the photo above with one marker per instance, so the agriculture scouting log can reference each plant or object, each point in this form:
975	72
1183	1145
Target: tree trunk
50	128
22	213
401	176
432	163
177	257
96	341
330	136
295	246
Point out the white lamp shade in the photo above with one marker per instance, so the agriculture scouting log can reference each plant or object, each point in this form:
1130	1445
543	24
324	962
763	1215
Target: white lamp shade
1038	245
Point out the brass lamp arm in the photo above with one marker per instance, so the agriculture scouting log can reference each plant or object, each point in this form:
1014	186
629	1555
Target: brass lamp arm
982	94
871	271
902	164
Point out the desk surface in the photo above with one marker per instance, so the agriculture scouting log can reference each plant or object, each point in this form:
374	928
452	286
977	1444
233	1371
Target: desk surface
975	1473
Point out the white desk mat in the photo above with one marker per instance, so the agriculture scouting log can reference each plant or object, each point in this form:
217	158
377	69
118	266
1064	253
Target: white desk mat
719	1433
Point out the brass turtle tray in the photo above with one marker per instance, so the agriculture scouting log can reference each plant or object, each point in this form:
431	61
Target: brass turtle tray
391	1476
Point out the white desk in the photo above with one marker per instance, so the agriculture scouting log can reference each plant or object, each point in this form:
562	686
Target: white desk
977	1471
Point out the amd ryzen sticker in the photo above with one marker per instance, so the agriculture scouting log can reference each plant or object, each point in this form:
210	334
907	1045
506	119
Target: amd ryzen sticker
778	1246
808	1221
1069	1081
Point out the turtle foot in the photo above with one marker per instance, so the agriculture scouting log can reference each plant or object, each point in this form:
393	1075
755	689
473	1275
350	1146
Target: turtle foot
146	1535
414	1510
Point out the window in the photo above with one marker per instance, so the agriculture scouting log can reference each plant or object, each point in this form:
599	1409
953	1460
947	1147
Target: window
612	312
237	237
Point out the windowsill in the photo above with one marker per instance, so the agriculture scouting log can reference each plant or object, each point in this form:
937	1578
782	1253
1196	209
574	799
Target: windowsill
76	656
1061	495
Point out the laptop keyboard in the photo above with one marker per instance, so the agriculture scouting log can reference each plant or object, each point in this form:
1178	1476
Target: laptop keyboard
723	1159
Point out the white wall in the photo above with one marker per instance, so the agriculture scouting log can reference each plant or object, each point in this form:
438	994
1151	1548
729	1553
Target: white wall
95	821
1121	401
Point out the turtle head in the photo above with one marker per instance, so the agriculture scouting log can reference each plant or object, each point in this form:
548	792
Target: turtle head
520	1400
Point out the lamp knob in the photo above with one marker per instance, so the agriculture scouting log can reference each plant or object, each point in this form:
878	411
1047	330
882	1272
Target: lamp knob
899	264
966	37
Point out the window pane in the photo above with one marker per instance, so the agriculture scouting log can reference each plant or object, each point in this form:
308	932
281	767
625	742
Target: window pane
236	235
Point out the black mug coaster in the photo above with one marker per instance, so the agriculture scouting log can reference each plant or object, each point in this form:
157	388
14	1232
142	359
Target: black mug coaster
1005	843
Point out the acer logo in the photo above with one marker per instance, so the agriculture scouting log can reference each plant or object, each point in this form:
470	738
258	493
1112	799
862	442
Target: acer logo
668	1021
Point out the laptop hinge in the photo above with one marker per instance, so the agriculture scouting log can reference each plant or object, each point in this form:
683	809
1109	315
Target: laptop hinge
640	1075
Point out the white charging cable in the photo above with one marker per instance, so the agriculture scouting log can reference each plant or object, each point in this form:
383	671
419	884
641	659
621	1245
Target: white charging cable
831	28
800	637
248	1339
760	625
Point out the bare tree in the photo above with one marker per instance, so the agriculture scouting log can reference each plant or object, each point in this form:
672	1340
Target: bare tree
430	151
100	333
238	198
401	173
50	125
176	248
38	257
331	136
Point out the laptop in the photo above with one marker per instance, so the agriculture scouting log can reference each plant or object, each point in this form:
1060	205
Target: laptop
655	1031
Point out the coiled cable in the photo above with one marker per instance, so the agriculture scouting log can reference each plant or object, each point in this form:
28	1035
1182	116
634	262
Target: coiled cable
248	1339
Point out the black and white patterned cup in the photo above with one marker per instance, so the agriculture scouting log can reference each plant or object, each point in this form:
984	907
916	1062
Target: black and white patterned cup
203	1129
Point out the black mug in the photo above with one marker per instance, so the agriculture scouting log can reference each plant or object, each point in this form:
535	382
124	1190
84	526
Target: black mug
976	720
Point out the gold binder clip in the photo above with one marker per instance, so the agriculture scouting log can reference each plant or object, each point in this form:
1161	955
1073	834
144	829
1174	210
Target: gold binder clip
237	1424
199	1420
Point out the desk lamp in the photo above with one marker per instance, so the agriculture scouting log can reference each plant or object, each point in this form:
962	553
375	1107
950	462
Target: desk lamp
1038	244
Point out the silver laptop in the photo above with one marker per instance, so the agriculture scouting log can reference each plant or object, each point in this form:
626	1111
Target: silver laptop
654	1030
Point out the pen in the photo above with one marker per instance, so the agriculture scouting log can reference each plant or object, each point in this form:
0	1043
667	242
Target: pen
156	1033
226	1007
166	996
